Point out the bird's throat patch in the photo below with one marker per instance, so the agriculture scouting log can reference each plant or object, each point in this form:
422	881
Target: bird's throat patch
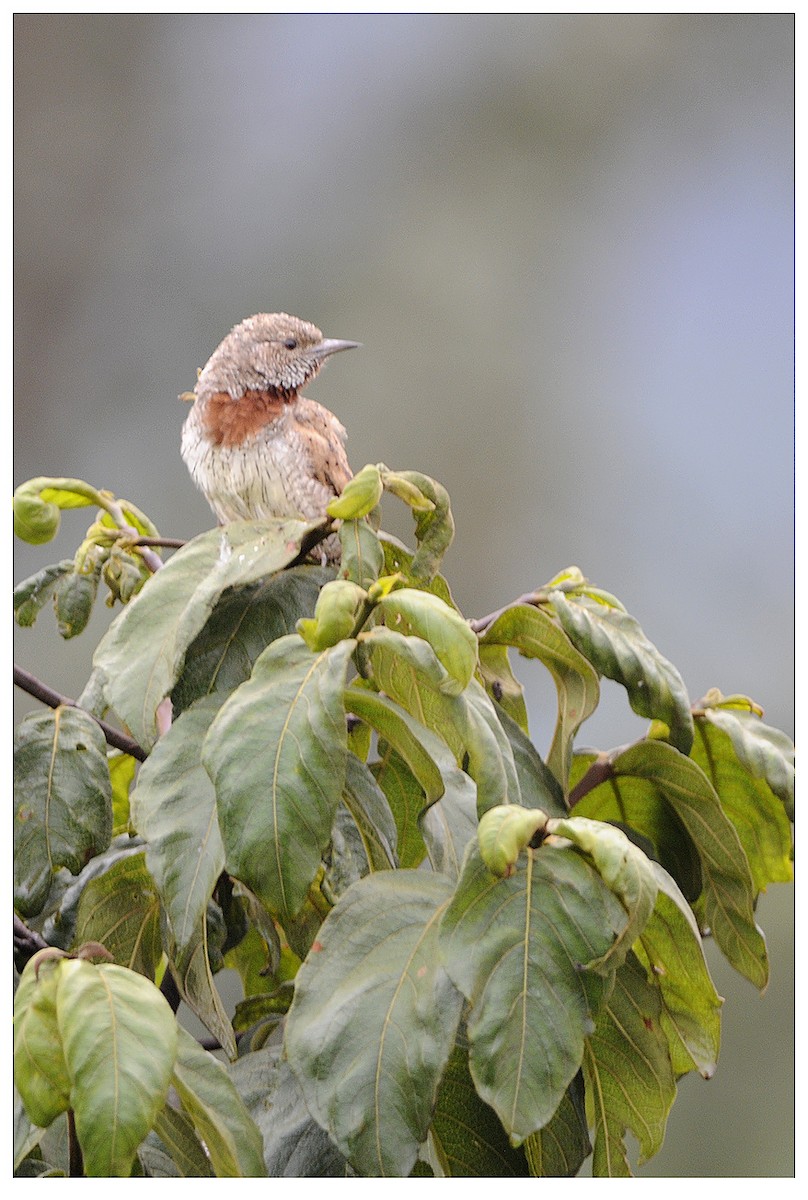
230	422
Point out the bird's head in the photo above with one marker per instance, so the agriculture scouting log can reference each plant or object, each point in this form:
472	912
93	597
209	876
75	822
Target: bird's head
269	352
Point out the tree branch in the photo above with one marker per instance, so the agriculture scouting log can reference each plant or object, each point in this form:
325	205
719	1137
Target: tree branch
170	543
601	770
40	691
479	625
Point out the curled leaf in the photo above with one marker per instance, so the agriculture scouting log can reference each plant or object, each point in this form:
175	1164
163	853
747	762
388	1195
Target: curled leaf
504	832
336	613
359	496
421	613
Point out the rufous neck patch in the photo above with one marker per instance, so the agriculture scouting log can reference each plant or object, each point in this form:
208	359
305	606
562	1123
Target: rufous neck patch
230	422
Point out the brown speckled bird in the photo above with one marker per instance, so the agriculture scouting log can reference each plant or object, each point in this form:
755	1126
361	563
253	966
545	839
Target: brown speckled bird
254	446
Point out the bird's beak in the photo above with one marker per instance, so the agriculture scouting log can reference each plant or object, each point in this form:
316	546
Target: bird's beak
331	346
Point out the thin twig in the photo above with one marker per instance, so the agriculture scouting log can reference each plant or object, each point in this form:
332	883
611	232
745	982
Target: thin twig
27	942
40	691
169	543
481	624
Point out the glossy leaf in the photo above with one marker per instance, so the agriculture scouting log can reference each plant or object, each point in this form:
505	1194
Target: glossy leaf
560	1147
242	624
628	1031
141	656
121	910
616	646
62	800
374	1019
756	812
174	809
276	753
120	1042
535	635
220	1118
517	950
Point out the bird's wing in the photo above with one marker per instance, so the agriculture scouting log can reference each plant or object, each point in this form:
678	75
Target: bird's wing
324	438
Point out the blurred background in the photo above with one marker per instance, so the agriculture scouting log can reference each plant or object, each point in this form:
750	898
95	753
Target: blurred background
565	242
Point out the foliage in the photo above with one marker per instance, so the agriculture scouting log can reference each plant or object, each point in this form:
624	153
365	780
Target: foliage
459	957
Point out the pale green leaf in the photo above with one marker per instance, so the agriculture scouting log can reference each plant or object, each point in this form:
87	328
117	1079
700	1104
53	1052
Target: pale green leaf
121	910
40	1071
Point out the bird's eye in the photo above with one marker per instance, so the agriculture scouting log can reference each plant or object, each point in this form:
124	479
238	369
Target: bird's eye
290	343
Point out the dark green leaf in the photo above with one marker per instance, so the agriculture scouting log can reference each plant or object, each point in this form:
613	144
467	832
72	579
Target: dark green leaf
630	1083
468	1138
398	561
174	809
517	948
62	800
142	655
276	753
406	799
535	635
73	602
560	1147
294	1145
191	968
395	725
617	647
242	624
371	814
538	786
362	554
374	1019
121	910
218	1112
176	1131
31	596
501	684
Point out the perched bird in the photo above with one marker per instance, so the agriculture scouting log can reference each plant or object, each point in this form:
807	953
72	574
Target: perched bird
255	447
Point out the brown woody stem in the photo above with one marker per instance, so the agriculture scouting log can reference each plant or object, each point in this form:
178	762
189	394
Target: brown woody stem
40	691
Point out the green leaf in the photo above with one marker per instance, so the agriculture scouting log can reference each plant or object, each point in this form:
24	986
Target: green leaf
190	966
535	635
622	866
38	501
500	682
218	1112
503	834
434	524
362	554
242	624
538	787
359	496
517	950
176	1131
560	1147
374	1019
62	800
295	1147
406	799
339	608
121	910
395	725
616	646
630	1083
371	814
73	602
671	950
142	655
174	809
468	1137
756	812
427	616
765	752
31	596
728	892
398	560
120	1041
40	1071
276	753
122	768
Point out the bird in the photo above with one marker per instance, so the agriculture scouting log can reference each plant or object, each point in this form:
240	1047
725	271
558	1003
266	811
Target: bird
254	446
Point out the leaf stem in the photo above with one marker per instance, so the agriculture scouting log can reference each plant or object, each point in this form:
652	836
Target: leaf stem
598	773
40	691
75	1157
481	624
